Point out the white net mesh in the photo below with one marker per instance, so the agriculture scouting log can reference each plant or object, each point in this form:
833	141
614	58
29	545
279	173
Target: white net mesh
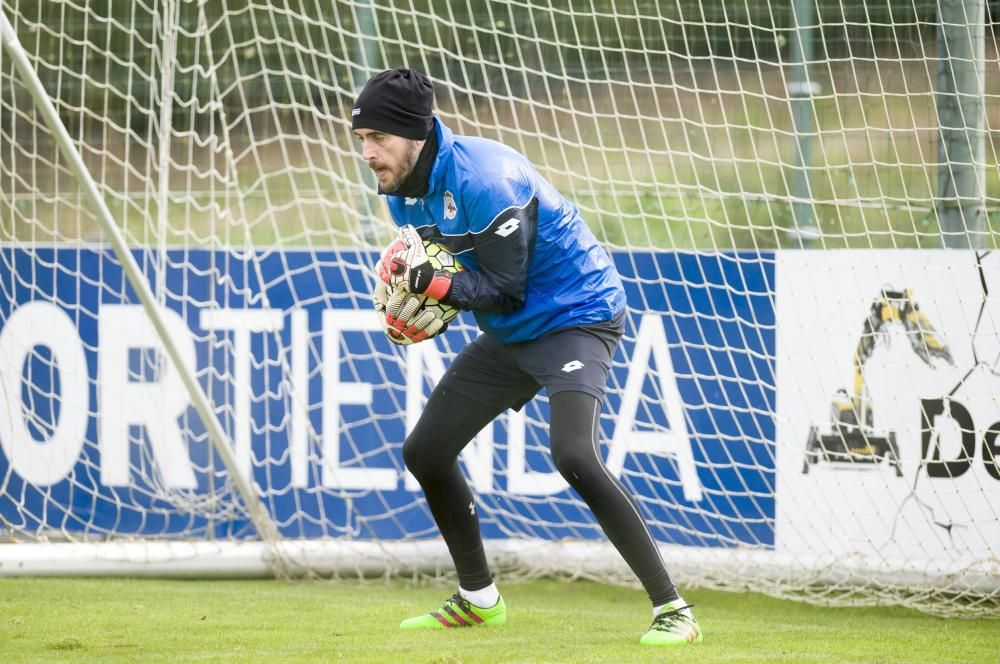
703	144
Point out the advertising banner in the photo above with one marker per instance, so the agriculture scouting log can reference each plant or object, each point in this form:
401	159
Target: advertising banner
97	433
888	412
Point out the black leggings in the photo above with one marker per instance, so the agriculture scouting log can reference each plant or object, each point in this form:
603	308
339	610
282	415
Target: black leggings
450	421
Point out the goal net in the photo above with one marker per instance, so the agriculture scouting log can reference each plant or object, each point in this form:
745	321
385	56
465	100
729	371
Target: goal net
804	404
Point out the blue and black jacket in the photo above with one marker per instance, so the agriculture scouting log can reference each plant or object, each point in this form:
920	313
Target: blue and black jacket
532	265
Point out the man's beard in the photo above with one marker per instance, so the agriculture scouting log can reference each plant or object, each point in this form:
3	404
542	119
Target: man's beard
412	153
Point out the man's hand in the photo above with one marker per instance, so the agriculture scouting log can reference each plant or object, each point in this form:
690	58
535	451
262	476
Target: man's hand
405	253
400	316
405	263
410	327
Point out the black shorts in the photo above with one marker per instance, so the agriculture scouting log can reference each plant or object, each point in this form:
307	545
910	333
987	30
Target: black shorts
510	375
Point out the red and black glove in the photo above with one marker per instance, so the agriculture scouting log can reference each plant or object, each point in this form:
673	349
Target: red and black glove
405	263
402	317
425	280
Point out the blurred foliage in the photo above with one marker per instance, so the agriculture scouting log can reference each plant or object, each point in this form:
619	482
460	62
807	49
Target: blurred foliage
674	111
315	51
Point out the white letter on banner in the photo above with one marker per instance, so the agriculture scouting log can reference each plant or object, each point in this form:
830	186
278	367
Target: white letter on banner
43	463
298	396
241	322
478	455
651	339
519	478
157	405
337	394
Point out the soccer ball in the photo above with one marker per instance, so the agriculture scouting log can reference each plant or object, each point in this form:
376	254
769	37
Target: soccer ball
441	259
431	315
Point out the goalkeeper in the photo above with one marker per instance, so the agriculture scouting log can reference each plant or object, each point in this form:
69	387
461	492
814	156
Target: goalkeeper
552	310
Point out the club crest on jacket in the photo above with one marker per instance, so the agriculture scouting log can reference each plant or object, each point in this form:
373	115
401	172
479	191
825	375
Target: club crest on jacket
450	209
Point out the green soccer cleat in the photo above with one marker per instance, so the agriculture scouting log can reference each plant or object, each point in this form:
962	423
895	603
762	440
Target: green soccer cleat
458	612
674	626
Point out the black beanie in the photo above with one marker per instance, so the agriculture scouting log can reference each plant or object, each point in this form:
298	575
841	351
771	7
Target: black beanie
397	101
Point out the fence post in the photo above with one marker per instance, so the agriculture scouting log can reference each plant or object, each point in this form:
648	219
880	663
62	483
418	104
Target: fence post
960	205
365	58
800	91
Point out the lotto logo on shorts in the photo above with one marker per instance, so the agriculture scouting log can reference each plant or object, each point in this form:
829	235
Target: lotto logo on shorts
572	366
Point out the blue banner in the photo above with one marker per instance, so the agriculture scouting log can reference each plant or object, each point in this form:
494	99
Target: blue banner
98	435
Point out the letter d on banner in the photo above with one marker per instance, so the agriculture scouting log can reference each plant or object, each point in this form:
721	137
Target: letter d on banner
935	414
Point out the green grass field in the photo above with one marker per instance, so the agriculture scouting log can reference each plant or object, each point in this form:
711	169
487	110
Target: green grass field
82	620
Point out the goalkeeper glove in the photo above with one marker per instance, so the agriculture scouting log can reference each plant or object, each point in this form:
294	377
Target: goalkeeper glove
405	263
401	318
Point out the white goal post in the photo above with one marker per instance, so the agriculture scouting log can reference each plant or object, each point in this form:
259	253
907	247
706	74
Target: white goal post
192	381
